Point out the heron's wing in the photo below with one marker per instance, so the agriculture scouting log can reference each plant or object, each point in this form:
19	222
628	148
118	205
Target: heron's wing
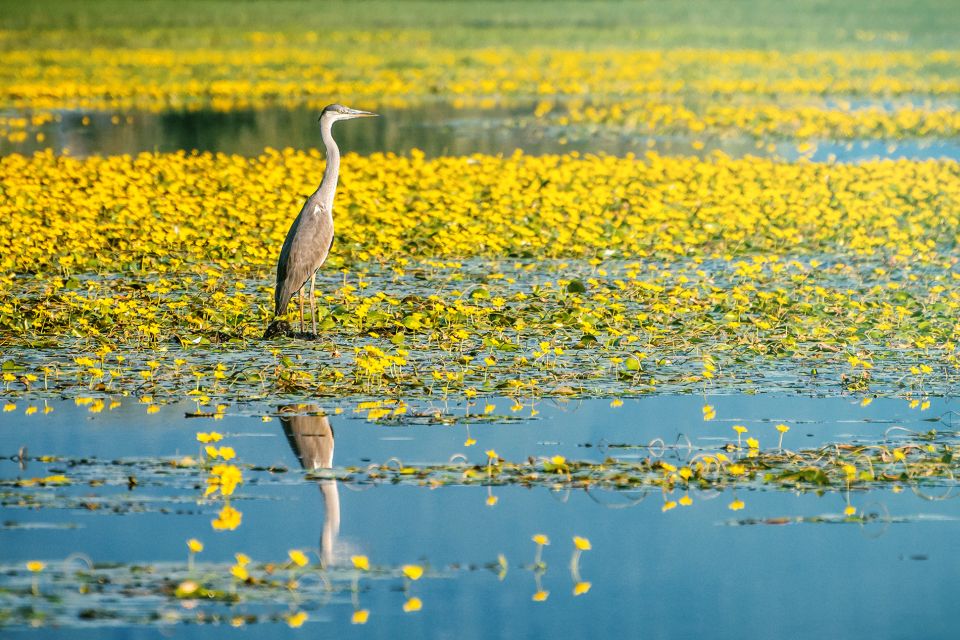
305	249
281	294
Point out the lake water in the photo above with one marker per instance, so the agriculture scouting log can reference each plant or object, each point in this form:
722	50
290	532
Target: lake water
437	129
770	568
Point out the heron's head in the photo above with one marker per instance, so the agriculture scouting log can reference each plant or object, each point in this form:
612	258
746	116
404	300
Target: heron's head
337	112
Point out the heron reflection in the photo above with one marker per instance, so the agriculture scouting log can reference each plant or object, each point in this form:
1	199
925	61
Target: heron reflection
310	435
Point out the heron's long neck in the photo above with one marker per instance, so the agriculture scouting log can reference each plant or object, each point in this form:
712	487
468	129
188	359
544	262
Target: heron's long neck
328	187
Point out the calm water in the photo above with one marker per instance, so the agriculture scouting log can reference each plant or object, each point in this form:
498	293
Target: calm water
682	573
437	130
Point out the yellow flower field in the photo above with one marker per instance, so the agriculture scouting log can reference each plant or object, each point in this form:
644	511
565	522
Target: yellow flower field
530	275
696	91
164	211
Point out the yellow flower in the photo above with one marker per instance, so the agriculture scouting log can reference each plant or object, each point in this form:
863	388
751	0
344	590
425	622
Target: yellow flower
469	442
492	500
736	505
686	501
581	543
782	428
541	596
195	545
581	588
242	559
491	454
558	460
298	557
360	616
227	453
739	428
412	571
413	604
36	566
736	469
239	572
667	506
541	539
228	519
213	436
850	510
297	619
360	562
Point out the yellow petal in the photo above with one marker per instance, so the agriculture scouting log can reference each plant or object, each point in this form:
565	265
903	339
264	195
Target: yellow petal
298	558
297	619
412	571
360	616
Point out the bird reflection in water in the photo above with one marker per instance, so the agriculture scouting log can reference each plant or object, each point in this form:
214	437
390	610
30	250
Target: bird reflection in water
310	435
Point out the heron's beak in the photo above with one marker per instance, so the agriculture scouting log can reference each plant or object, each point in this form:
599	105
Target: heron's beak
356	113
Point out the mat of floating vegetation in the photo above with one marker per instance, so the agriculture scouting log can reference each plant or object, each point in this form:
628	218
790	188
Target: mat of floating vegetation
919	460
79	593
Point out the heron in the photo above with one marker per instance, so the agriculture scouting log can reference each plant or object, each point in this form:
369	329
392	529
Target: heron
310	237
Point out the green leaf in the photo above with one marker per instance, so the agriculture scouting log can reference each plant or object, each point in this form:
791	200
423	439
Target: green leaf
576	286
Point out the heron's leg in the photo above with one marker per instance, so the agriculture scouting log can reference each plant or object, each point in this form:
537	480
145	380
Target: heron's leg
313	302
300	295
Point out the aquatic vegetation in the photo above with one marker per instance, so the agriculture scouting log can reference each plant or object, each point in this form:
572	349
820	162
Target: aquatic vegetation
468	299
704	93
75	591
920	460
551	275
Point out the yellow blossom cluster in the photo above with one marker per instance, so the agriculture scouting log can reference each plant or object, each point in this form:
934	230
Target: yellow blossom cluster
285	74
803	94
225	478
524	275
227	519
162	212
763	119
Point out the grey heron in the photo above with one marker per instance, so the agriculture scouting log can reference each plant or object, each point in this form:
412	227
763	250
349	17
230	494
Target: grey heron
310	236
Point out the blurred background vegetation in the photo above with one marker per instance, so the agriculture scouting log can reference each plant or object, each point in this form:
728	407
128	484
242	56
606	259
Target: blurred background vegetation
798	24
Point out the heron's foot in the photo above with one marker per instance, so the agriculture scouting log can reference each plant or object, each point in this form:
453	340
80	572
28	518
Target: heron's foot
276	329
282	329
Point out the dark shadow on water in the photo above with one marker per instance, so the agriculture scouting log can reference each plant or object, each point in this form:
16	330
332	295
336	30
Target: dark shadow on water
436	130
